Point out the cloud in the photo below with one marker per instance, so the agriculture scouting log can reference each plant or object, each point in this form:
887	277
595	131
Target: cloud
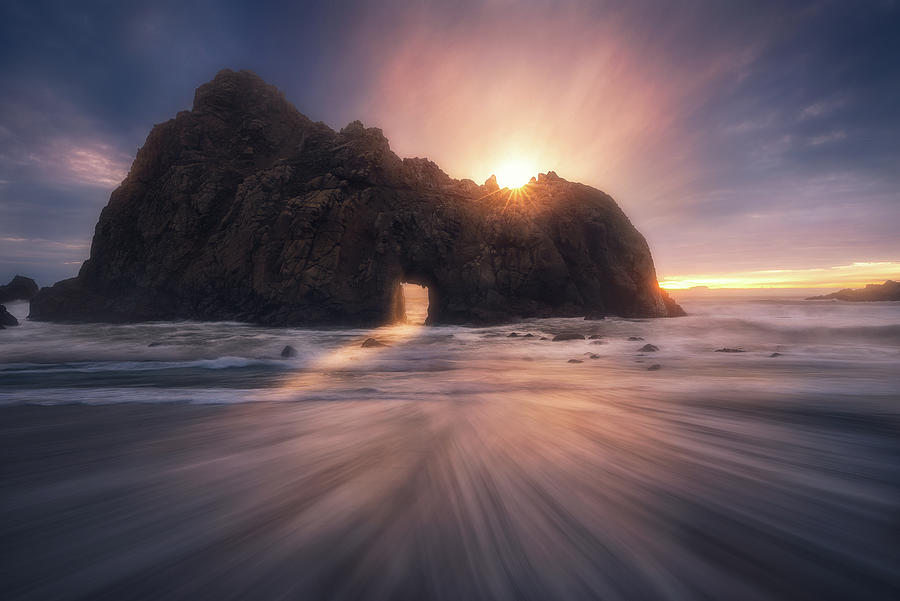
80	162
833	136
822	108
48	140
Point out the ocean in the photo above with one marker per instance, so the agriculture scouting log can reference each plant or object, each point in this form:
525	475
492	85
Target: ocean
187	460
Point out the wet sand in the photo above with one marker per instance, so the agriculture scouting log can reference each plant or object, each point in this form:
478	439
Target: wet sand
550	495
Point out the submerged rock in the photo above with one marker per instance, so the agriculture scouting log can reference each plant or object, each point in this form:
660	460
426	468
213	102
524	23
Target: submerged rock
575	361
635	338
19	288
594	337
244	209
7	318
288	351
563	337
654	367
649	348
775	355
730	350
372	343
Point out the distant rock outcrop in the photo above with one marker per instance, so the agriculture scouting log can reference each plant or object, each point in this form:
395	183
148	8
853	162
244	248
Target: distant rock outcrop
19	288
889	291
244	209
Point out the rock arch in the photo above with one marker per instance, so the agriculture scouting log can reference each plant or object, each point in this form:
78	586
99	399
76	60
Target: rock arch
243	208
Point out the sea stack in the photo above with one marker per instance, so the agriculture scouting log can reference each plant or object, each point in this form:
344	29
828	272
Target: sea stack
19	288
244	209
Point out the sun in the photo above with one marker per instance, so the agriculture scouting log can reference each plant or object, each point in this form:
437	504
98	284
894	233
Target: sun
514	173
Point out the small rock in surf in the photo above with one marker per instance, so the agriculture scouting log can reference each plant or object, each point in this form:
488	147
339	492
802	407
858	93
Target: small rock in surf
562	337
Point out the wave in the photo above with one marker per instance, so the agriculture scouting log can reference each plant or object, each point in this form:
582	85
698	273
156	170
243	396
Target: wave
228	362
877	334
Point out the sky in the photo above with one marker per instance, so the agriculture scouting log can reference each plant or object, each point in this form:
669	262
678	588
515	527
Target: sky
752	143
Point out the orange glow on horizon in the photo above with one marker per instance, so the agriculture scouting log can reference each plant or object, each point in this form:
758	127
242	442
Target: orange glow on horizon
854	275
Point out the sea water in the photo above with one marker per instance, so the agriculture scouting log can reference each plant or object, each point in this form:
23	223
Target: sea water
826	350
189	460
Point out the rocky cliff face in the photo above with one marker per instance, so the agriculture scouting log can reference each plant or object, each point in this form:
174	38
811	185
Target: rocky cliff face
244	209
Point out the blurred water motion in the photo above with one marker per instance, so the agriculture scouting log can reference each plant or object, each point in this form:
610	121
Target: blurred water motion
457	463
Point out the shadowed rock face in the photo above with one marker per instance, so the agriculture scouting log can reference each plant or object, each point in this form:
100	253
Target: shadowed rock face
19	288
244	209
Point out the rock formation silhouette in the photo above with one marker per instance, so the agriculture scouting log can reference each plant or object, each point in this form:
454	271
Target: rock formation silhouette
244	209
19	288
889	291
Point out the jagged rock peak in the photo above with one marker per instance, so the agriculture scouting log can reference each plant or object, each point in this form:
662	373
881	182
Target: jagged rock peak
238	91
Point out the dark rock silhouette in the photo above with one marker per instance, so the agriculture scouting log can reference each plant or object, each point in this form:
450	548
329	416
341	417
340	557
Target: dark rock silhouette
649	348
19	288
244	209
372	343
889	291
564	337
288	352
7	318
730	350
